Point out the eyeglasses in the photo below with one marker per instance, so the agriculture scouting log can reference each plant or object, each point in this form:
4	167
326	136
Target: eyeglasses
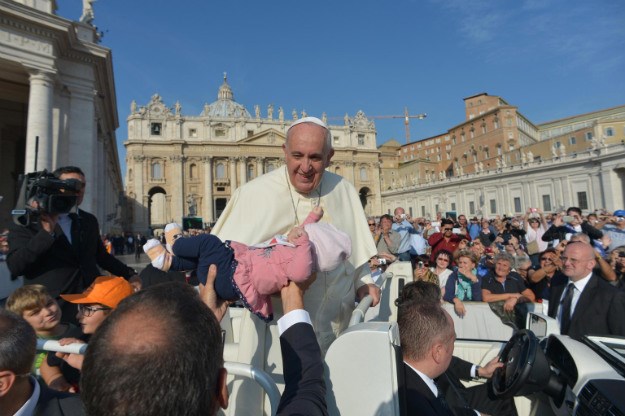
572	261
447	229
371	224
90	310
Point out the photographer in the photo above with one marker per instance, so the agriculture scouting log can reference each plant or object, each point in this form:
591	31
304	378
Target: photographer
564	227
62	251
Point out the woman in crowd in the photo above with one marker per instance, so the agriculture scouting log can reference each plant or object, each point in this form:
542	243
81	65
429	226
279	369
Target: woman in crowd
502	284
486	235
464	284
544	276
535	227
441	267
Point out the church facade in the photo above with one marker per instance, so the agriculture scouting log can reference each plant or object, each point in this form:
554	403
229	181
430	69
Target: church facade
57	105
188	166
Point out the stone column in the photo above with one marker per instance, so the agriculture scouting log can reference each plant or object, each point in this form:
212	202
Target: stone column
140	178
178	197
208	189
243	169
168	216
346	171
232	163
39	123
260	165
83	143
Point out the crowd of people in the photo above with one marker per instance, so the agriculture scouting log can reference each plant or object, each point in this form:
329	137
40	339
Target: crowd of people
511	260
156	321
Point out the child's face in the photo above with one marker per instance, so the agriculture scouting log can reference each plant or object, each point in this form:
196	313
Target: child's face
90	316
44	318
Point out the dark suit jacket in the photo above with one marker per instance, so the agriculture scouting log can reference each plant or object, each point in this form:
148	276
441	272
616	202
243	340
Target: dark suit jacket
599	311
304	390
56	403
560	232
419	398
58	265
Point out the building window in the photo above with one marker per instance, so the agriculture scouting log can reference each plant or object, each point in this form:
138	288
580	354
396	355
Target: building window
363	174
193	171
453	139
571	140
472	132
557	145
361	140
453	206
487	153
609	131
546	203
588	136
157	170
220	133
483	128
582	200
496	123
155	129
423	210
498	150
250	133
462	137
436	208
471	207
517	204
270	167
493	206
193	133
220	171
336	139
250	172
130	174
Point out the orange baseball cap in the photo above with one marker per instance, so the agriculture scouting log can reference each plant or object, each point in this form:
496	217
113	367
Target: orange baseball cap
106	290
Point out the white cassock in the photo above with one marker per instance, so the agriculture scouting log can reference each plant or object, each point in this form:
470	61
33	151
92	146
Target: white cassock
268	205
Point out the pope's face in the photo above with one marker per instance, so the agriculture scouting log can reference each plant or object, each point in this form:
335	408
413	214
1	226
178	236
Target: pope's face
306	156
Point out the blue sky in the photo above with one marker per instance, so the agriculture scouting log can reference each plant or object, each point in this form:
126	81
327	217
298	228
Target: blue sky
551	58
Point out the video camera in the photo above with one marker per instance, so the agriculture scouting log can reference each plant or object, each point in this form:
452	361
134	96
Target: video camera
53	196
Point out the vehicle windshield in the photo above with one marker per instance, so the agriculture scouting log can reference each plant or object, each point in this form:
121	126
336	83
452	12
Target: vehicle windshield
612	349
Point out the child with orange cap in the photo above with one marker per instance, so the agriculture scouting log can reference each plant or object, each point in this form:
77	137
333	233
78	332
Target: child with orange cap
94	306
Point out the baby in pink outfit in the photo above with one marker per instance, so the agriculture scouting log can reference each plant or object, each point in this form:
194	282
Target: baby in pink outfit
253	273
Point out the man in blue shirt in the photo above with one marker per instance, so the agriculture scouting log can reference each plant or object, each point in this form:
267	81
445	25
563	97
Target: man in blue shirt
402	224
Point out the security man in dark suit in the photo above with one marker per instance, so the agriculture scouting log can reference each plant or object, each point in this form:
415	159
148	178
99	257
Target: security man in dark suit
63	251
586	304
19	391
462	400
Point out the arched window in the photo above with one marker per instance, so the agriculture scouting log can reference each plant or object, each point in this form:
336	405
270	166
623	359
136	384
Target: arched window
220	171
363	174
157	170
193	171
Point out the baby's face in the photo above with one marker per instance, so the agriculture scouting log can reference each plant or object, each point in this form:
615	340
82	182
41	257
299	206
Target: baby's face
45	317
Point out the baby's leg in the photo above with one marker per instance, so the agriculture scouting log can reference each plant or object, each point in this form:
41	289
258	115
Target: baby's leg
201	249
164	260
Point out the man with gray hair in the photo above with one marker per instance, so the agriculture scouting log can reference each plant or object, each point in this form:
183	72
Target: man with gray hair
276	202
20	393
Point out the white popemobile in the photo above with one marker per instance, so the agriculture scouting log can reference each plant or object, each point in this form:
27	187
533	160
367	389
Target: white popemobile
547	373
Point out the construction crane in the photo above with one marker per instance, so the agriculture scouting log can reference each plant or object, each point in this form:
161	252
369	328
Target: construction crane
406	116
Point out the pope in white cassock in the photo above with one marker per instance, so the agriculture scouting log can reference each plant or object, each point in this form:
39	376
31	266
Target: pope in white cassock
277	201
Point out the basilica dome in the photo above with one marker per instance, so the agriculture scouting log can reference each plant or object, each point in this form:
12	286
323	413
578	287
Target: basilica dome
225	106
